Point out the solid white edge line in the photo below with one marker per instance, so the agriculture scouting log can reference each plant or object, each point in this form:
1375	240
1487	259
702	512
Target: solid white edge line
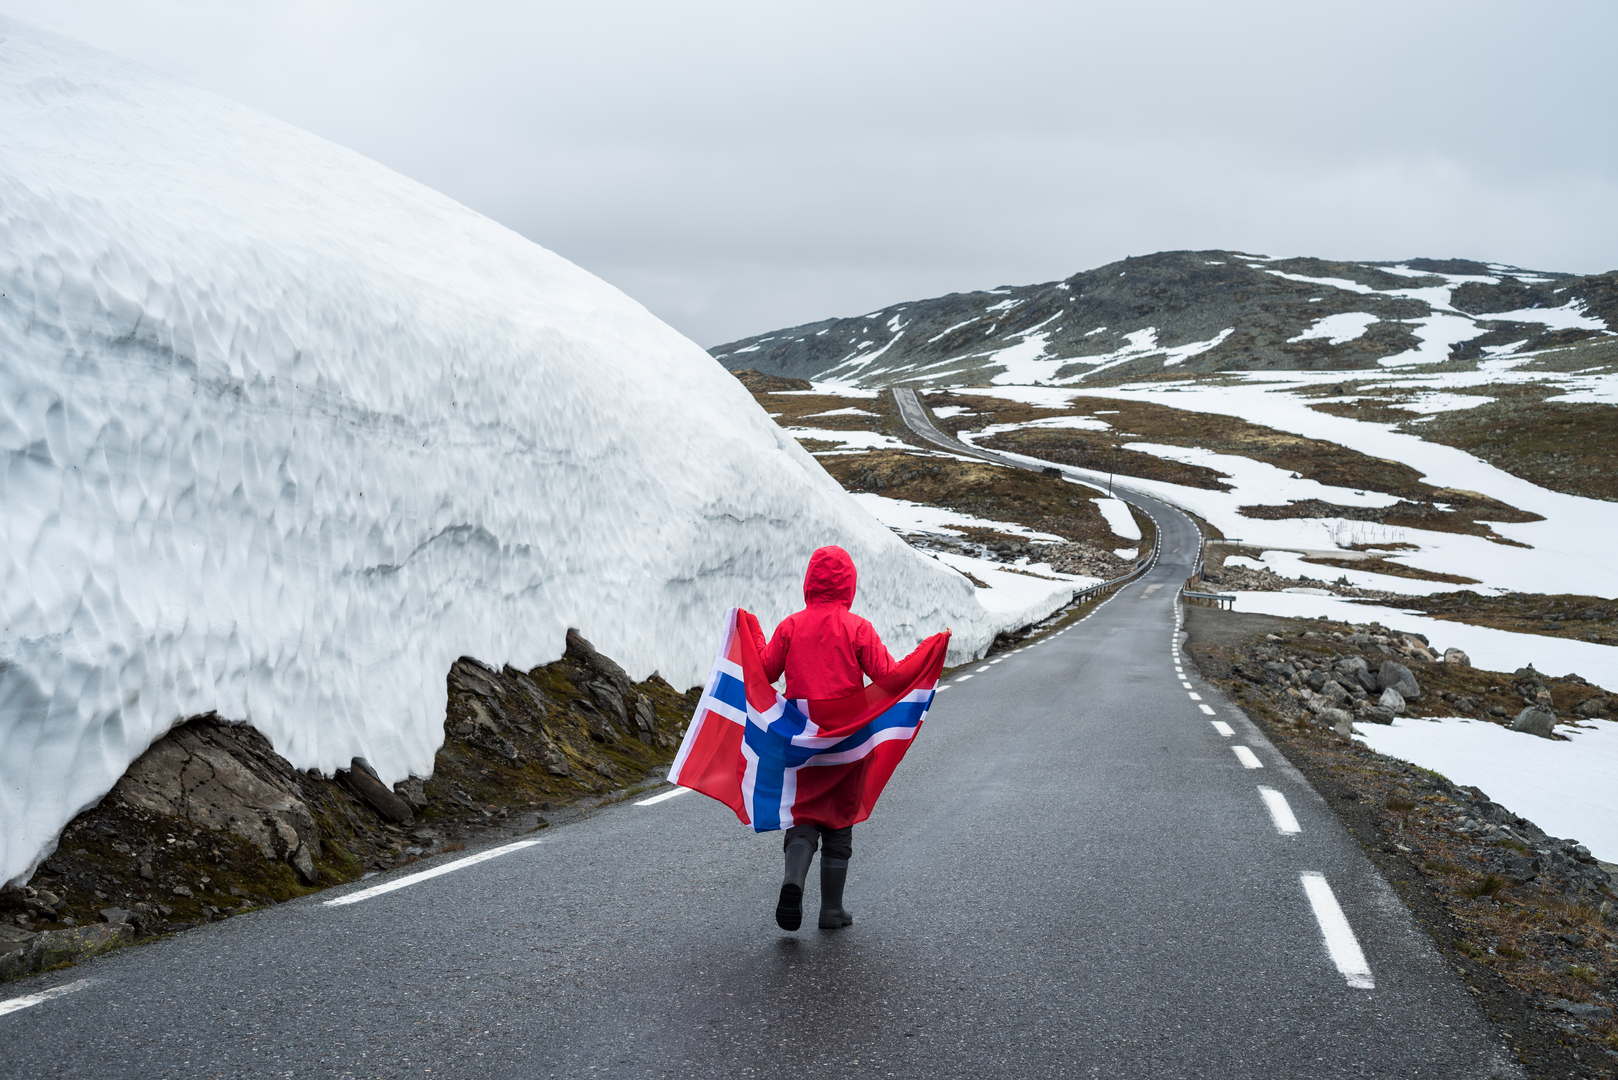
1280	812
1205	707
1223	728
437	871
1248	759
664	797
1340	941
29	1001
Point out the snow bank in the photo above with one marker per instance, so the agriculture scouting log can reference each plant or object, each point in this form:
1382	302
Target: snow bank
285	433
1569	789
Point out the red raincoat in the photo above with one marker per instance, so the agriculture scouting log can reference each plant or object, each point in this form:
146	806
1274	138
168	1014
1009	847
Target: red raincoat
825	648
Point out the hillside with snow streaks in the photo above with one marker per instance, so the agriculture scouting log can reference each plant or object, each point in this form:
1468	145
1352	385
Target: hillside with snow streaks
1197	311
286	433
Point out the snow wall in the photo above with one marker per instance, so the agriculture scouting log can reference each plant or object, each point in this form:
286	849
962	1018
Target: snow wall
285	433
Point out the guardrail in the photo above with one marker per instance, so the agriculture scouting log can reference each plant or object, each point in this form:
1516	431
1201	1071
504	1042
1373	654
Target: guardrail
1219	599
924	427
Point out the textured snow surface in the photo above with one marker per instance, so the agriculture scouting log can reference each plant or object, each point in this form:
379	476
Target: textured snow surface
285	433
1569	789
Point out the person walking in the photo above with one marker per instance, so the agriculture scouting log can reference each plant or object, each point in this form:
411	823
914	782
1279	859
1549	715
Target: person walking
826	651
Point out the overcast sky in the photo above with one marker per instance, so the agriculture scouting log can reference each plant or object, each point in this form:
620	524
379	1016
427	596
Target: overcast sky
739	167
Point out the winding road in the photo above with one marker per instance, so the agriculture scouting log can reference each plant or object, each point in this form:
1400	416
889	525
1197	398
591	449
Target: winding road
1090	865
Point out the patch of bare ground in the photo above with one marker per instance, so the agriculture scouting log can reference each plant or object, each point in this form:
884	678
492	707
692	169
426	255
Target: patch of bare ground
1044	503
1585	618
1392	569
211	822
759	382
1421	505
1527	919
1268	581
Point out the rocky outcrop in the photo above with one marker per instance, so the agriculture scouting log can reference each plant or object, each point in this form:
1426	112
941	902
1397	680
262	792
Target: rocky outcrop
223	776
211	821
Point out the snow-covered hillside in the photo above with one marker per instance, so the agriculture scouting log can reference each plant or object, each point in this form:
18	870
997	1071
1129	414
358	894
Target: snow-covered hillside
286	433
1196	311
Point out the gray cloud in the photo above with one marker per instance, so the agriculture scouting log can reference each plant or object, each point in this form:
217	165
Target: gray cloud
743	166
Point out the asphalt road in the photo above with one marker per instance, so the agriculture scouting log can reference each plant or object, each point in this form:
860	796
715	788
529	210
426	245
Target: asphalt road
1073	874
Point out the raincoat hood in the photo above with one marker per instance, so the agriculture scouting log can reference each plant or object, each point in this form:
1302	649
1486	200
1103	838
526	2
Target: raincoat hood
830	579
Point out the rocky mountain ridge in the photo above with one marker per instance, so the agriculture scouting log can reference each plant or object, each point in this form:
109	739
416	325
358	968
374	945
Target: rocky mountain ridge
1197	311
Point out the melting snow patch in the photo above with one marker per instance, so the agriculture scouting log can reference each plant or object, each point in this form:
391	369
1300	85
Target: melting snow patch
1119	519
1569	789
1339	328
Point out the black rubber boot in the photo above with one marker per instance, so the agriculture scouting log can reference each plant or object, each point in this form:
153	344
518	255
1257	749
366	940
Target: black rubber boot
789	909
833	876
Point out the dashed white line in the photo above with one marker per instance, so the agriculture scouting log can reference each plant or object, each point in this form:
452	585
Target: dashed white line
437	871
1340	941
19	1003
1223	728
1205	707
1194	696
664	797
1248	759
1185	684
1280	812
963	678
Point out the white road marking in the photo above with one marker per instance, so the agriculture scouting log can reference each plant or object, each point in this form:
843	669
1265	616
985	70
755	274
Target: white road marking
664	797
1223	728
996	661
962	678
21	1003
1247	758
1340	941
1185	684
1280	812
437	871
1205	707
1194	696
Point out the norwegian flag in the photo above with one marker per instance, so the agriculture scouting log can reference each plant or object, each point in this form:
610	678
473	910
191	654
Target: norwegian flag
779	763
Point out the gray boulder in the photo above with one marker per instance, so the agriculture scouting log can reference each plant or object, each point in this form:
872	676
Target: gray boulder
1339	720
1376	714
1591	707
1456	656
364	783
1396	675
1535	720
1393	701
304	865
1334	692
